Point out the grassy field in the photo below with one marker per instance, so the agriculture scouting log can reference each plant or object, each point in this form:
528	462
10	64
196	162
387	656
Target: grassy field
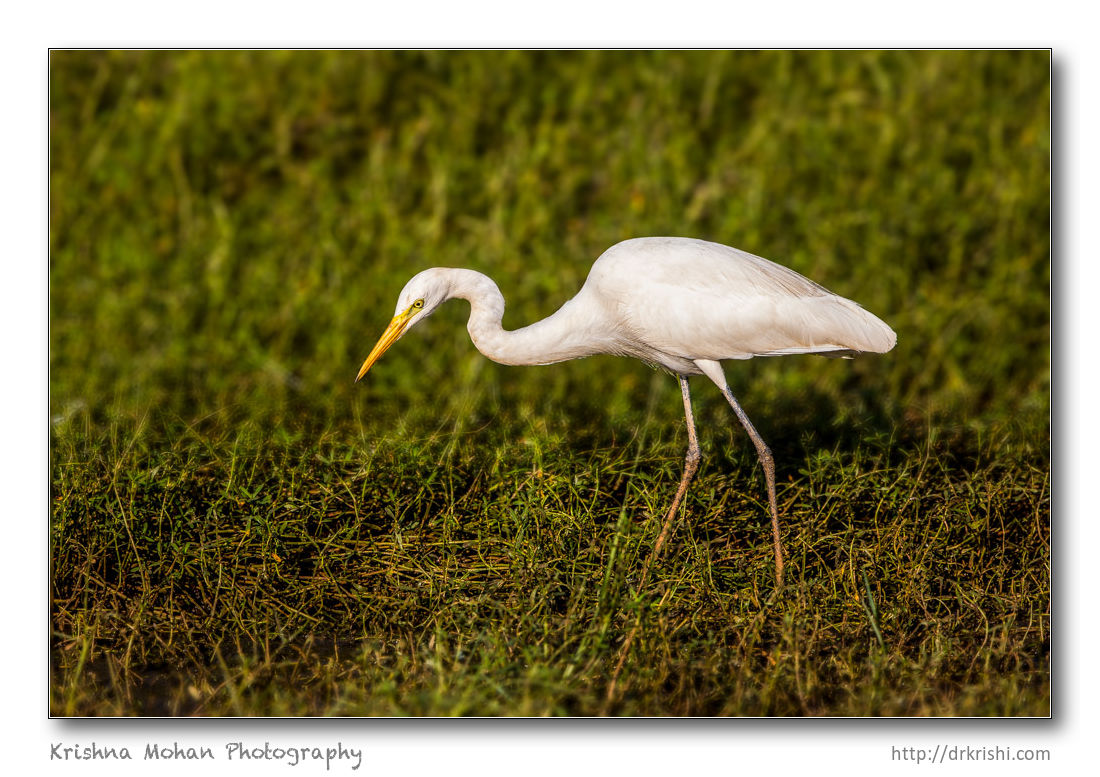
238	529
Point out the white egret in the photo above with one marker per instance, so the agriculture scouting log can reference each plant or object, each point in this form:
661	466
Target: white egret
679	303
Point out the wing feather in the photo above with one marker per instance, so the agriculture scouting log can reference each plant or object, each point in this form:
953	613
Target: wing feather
692	299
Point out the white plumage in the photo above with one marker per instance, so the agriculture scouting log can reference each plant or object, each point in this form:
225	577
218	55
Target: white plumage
680	303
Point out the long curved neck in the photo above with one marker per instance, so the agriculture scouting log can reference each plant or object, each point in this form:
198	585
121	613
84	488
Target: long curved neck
568	334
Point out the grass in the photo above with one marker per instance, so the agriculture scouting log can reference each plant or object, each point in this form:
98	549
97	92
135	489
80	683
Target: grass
237	529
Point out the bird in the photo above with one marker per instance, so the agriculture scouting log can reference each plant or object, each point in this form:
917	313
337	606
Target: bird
680	304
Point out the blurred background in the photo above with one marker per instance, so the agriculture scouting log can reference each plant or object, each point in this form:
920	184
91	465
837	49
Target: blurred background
238	528
229	230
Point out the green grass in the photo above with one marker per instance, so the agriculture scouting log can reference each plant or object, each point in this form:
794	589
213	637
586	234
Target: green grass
238	529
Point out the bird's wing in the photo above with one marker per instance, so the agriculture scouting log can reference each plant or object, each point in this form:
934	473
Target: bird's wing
699	300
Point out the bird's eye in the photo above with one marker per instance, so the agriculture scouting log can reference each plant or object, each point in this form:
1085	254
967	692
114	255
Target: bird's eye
418	304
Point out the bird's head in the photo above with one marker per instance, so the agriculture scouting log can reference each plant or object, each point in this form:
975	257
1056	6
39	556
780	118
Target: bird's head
420	297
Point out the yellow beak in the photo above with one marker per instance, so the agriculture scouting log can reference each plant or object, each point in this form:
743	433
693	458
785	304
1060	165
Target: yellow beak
388	338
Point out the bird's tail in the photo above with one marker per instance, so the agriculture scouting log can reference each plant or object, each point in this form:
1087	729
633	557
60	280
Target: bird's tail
835	327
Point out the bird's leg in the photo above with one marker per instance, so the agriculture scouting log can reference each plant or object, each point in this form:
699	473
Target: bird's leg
691	464
766	460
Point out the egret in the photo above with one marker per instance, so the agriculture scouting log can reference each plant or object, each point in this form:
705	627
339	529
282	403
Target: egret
681	304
